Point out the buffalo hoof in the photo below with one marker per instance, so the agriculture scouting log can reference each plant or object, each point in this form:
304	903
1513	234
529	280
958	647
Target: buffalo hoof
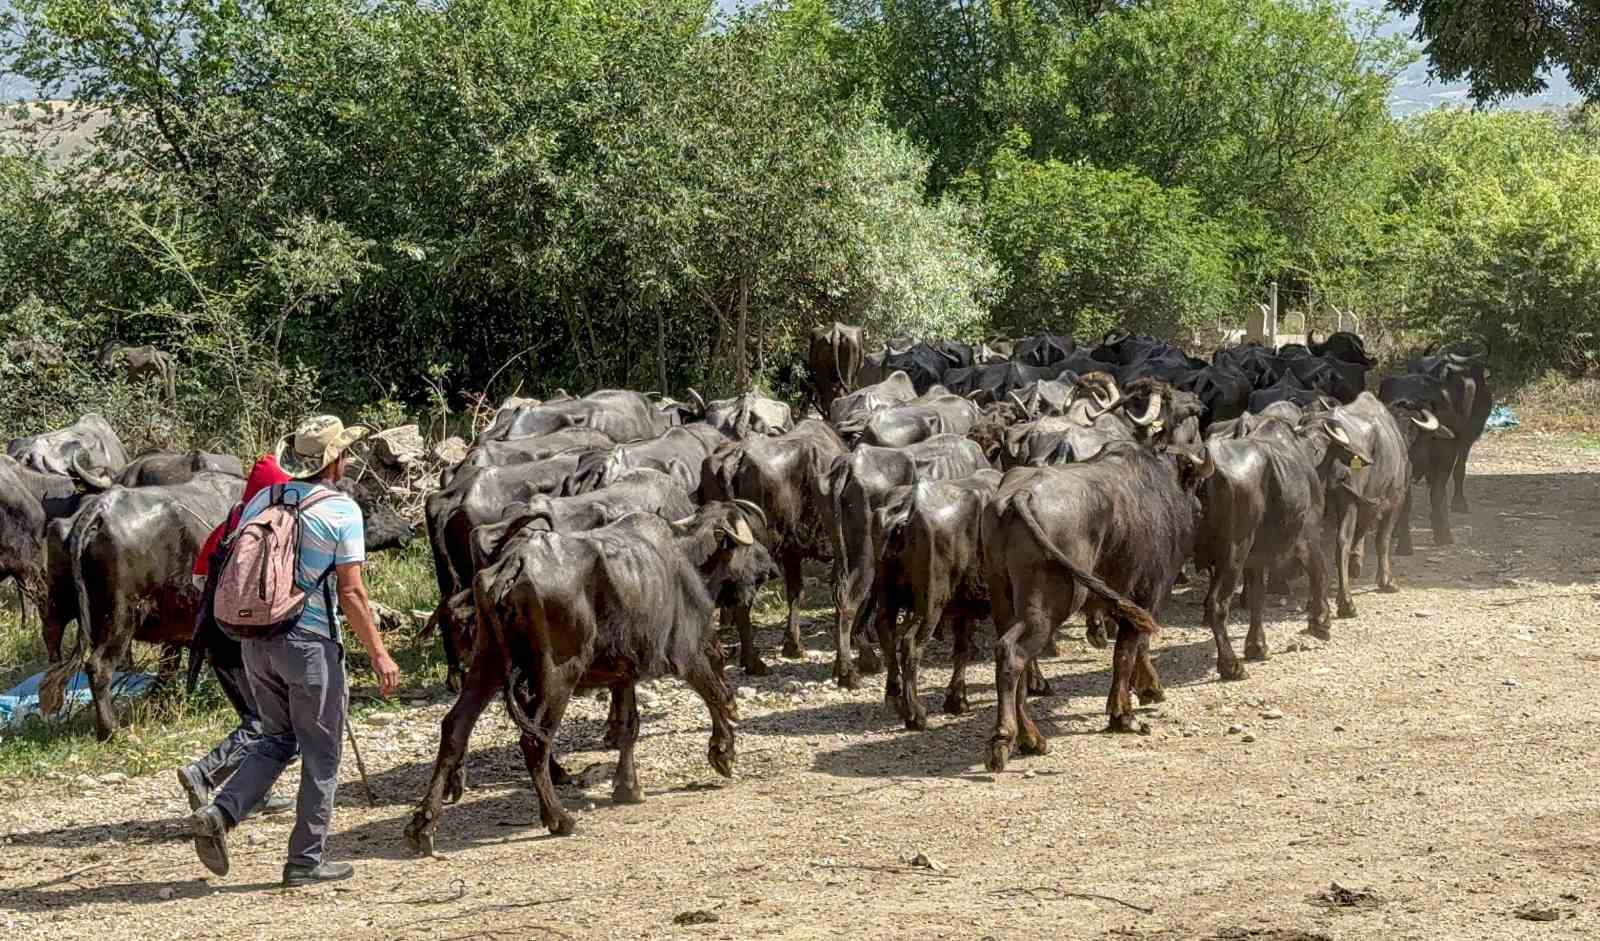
455	786
1444	539
419	836
754	667
848	679
1149	697
1232	671
793	650
868	661
1346	610
625	794
956	705
1459	505
1319	631
721	758
917	722
1256	653
1034	746
999	754
562	826
1127	725
1388	588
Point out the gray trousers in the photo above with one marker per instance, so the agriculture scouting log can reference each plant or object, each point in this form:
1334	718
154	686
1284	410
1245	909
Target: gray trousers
299	688
216	767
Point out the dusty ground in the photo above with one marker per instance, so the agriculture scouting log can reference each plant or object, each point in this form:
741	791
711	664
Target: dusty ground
1437	760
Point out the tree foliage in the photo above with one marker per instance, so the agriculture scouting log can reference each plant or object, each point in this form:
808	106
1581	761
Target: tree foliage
1506	49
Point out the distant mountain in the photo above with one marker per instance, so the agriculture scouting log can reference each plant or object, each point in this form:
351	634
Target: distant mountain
1414	91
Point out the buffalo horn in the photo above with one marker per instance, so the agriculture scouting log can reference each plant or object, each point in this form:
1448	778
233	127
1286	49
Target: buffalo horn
699	402
1336	433
1151	411
752	509
1428	421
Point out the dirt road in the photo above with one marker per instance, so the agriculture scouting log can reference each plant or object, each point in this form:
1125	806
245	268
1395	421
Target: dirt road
1438	760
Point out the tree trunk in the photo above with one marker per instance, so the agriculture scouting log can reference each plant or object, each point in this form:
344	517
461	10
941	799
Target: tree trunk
741	339
661	348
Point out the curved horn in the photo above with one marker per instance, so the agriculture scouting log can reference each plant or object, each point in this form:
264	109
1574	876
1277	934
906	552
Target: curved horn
1017	401
1336	433
699	401
1428	421
1152	411
90	477
751	508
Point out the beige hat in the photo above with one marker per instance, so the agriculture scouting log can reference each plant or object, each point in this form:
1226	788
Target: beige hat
317	443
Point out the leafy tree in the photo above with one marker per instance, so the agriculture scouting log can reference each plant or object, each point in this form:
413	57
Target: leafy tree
1506	49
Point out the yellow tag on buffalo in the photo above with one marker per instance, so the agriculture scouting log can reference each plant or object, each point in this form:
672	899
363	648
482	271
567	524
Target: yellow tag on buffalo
1356	462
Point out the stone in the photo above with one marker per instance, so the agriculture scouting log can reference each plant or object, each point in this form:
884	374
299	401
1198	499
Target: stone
1272	714
1235	729
166	893
747	692
388	618
1247	738
84	781
380	719
451	451
398	447
115	777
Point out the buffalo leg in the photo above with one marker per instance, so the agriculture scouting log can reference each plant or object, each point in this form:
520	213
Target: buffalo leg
1119	703
485	678
548	701
749	660
616	717
1146	680
1386	524
1459	504
955	698
910	640
101	666
1438	504
704	681
1341	562
625	787
1312	560
1224	576
1405	547
1095	630
1255	599
844	662
1010	660
792	646
867	642
888	630
1037	685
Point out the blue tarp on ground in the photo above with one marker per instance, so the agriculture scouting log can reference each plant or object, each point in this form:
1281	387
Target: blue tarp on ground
1501	418
22	700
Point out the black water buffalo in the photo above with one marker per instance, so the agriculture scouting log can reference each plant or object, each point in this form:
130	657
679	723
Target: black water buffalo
53	452
1344	381
1046	397
1108	536
895	389
29	503
746	414
141	363
834	358
679	452
1263	505
1223	391
154	468
929	566
474	496
1428	419
937	413
924	364
1467	381
857	485
1366	471
604	608
1344	346
1046	349
131	552
619	414
787	478
525	449
995	383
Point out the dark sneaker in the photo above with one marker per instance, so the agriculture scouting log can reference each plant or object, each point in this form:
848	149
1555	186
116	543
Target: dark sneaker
210	828
272	804
194	787
311	875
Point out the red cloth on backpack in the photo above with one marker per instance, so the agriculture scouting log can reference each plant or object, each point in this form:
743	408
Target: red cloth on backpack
266	473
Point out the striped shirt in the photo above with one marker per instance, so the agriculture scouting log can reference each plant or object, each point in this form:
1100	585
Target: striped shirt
331	533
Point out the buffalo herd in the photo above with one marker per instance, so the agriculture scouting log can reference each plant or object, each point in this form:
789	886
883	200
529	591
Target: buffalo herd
593	542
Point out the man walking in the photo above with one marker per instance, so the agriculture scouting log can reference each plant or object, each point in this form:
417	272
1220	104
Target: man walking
297	676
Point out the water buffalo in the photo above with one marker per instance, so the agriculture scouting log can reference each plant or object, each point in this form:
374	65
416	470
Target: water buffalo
936	413
620	414
1467	381
1428	419
1365	471
608	607
896	389
678	452
834	358
154	468
53	452
141	363
1108	536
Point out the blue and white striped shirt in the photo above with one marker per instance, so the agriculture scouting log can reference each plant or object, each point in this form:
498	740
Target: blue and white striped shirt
331	533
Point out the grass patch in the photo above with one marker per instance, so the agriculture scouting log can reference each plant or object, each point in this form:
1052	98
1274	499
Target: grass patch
167	728
1559	404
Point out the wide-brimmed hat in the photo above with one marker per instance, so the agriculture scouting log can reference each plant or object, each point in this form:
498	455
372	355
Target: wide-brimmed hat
317	443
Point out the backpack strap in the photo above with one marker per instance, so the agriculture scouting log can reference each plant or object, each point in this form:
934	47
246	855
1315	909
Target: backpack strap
327	601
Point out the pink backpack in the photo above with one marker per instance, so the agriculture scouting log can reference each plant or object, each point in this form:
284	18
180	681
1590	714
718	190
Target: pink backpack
256	597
